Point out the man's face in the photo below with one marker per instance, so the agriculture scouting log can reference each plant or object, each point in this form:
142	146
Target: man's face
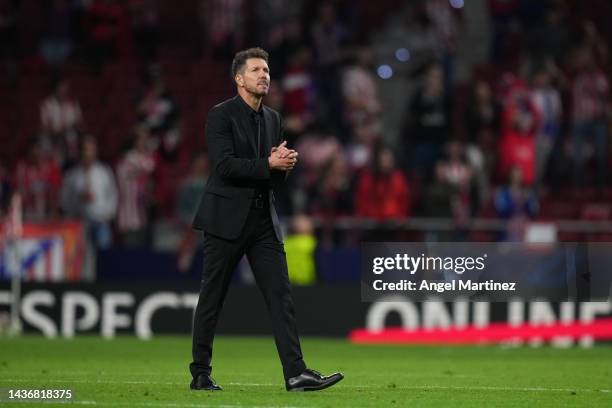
255	77
90	152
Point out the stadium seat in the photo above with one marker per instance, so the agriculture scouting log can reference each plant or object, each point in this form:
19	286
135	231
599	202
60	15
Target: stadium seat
558	210
596	212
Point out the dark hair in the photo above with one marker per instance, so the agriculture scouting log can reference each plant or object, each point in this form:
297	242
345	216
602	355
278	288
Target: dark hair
380	147
241	58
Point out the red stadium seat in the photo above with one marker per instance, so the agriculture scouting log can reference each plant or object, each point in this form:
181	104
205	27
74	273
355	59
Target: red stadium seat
596	212
558	210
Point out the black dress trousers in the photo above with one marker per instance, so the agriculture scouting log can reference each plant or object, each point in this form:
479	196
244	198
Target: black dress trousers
266	256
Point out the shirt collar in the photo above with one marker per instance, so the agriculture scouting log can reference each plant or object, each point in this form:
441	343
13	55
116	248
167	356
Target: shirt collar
248	110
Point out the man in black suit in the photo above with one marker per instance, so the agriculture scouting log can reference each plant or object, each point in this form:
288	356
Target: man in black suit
248	157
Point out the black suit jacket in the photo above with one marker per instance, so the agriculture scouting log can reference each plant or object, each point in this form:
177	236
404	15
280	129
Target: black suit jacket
236	172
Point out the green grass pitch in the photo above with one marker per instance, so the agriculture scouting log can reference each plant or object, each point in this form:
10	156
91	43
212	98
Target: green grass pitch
126	372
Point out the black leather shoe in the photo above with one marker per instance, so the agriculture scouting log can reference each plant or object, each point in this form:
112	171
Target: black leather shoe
311	380
204	382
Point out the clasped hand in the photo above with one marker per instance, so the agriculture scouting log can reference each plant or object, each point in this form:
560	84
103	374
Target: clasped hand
282	158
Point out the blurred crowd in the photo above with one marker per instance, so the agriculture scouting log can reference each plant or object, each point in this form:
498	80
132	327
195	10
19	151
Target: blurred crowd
534	118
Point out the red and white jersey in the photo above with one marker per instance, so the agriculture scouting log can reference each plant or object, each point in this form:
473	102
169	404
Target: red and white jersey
60	115
590	93
133	173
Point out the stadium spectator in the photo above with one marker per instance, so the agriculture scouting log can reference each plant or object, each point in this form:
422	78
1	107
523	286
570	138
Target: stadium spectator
280	29
223	23
297	85
458	173
300	245
106	24
332	194
359	149
505	27
134	176
329	36
188	197
89	193
456	168
445	27
362	102
316	149
38	180
275	98
60	112
61	120
418	34
593	41
171	163
273	19
482	118
429	122
157	109
444	21
547	100
382	190
516	203
146	31
590	113
159	114
437	200
58	39
520	120
551	39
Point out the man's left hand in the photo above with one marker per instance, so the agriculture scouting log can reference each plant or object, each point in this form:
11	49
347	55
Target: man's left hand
283	152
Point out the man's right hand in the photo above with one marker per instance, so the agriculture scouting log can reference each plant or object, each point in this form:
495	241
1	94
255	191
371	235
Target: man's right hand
282	158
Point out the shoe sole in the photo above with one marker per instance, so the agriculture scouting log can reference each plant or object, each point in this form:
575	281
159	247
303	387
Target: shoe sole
318	388
205	389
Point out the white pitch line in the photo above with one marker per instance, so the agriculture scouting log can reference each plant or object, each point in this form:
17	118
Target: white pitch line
494	388
42	402
452	387
405	387
157	404
172	404
22	380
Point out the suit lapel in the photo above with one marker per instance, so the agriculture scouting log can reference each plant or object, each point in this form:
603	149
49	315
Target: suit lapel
246	132
245	128
269	121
